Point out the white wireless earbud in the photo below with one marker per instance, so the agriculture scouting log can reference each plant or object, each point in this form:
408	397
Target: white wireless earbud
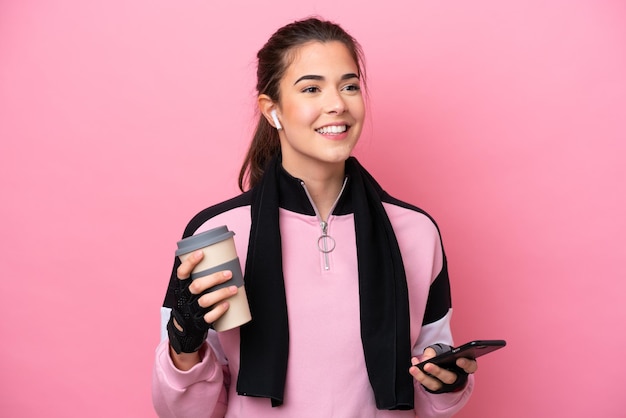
275	118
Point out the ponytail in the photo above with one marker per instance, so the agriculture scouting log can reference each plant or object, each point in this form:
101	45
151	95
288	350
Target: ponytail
264	146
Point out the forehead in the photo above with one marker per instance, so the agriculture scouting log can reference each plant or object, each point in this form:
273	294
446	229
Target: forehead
320	58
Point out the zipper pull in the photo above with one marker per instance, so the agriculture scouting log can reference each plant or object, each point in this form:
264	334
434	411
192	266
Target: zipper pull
325	239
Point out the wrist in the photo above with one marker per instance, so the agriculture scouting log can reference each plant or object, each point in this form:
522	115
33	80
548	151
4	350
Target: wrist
184	335
185	361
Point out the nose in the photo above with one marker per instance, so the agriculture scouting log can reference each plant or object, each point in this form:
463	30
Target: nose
335	104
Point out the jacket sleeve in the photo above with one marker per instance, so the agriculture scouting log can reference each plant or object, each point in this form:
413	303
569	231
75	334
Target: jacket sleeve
435	328
198	392
430	405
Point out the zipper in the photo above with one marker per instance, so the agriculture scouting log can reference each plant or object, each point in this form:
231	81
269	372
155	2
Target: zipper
325	243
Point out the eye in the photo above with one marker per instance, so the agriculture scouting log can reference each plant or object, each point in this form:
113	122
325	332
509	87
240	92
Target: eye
352	87
310	89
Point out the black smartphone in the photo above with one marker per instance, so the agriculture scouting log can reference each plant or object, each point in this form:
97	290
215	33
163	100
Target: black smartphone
471	350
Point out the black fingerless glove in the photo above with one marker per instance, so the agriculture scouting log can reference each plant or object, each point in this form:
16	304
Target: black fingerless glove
461	375
190	317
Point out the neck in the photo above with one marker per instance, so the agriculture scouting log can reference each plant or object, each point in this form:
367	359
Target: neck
323	184
324	195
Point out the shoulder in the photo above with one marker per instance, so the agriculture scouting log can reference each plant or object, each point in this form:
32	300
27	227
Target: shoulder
399	209
201	218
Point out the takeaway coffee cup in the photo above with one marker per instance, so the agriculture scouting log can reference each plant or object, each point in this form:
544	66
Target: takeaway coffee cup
220	254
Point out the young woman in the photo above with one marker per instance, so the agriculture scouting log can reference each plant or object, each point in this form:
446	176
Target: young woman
348	286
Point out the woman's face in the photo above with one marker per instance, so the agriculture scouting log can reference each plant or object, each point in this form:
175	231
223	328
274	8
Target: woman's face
321	108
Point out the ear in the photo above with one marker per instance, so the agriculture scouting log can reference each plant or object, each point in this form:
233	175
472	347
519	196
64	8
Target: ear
266	106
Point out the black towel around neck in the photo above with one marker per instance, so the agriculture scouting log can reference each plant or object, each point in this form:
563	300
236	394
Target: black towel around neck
383	296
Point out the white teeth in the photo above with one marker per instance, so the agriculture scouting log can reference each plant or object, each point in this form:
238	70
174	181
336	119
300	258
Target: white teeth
332	129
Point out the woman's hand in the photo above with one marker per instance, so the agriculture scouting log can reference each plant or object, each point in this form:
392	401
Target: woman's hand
434	378
196	309
213	300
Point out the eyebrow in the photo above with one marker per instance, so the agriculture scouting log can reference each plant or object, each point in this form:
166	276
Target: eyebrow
321	78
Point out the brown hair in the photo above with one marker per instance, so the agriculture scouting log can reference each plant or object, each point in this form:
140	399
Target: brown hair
272	62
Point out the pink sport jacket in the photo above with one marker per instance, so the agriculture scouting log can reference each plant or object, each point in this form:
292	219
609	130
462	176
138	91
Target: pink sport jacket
326	374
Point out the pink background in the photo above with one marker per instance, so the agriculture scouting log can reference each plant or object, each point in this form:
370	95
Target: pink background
505	120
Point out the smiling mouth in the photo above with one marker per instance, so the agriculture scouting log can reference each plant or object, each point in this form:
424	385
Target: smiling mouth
335	129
